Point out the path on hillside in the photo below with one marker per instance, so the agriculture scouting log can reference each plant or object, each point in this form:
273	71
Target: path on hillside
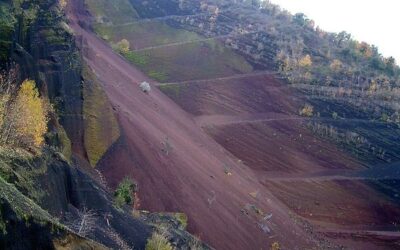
224	78
193	41
388	172
223	120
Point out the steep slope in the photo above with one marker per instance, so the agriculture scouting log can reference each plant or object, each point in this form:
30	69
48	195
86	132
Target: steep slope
177	166
269	160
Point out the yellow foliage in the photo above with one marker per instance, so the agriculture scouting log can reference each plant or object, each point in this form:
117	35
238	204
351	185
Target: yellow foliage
123	46
30	114
307	110
305	62
336	65
63	3
373	87
4	98
275	246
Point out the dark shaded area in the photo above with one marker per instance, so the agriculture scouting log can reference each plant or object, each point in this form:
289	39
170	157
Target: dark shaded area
18	233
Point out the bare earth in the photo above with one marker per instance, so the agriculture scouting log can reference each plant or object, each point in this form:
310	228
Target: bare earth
180	167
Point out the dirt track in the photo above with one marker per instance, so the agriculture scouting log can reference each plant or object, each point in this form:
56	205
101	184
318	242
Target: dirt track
180	168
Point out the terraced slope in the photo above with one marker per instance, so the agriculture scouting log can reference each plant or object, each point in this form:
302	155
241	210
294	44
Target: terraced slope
177	166
264	160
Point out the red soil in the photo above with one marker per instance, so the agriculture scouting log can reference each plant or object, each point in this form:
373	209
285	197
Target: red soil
190	178
280	144
180	168
255	118
253	93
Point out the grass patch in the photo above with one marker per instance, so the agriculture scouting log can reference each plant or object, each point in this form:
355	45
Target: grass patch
182	219
101	126
173	90
136	58
115	11
145	34
159	76
191	61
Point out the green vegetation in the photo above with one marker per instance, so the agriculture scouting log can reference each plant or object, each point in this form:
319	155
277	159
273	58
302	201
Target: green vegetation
114	12
171	89
145	34
159	76
101	126
7	22
125	192
136	58
158	242
190	61
182	219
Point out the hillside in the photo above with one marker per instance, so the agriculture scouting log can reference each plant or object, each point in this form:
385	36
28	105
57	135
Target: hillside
258	130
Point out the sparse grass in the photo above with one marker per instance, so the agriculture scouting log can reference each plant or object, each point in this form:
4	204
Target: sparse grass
116	11
101	126
158	242
182	219
171	89
187	61
136	58
159	76
145	34
198	60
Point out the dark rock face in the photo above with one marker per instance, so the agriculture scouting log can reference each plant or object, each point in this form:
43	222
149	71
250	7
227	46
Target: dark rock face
46	52
66	192
24	234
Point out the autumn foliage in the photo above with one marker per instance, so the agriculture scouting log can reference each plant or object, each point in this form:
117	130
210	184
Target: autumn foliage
31	120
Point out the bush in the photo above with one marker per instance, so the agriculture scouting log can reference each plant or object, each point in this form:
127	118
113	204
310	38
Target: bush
125	192
158	242
307	110
123	46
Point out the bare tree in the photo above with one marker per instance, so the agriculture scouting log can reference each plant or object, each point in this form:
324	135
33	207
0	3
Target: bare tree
85	222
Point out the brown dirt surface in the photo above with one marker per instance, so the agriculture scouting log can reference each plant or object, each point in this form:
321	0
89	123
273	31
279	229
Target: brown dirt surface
189	174
222	184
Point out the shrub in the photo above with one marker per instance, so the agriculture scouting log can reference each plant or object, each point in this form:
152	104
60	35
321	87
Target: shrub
182	219
275	246
305	62
124	194
123	46
158	242
307	110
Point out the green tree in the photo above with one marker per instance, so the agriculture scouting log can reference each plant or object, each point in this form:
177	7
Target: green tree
124	194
